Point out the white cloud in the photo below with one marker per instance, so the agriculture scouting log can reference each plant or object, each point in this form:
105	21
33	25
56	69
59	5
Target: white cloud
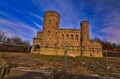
35	15
6	15
64	7
17	28
112	33
38	25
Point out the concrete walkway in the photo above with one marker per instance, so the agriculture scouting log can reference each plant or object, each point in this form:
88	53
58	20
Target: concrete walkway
29	74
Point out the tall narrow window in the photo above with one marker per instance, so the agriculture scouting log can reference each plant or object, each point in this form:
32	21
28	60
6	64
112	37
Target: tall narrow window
83	48
48	32
67	47
67	36
76	37
71	47
49	21
72	37
76	47
56	34
62	36
56	23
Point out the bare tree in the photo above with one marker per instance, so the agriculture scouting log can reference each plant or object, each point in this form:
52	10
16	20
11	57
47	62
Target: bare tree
2	37
107	45
14	43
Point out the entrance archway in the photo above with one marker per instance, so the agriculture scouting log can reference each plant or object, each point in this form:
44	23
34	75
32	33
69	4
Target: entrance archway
37	48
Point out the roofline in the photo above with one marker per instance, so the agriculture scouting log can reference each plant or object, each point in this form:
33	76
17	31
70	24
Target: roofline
68	29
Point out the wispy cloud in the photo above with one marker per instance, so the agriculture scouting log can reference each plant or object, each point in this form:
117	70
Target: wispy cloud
112	34
6	15
38	25
65	8
103	16
106	21
18	28
37	16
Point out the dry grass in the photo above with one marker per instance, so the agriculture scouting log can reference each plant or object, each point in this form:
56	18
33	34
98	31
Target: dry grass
76	66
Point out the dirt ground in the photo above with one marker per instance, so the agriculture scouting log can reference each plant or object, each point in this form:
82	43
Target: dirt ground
75	66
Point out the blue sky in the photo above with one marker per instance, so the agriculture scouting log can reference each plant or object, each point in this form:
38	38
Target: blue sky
24	18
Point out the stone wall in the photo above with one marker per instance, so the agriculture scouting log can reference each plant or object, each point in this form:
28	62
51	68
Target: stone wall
54	51
69	38
50	28
52	40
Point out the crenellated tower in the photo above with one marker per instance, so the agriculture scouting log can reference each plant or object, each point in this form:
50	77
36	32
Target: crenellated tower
50	28
85	38
52	40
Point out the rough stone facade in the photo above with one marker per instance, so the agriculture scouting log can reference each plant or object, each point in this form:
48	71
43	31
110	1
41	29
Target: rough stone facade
53	40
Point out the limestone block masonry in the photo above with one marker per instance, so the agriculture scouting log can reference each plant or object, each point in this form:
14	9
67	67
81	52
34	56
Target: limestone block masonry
54	40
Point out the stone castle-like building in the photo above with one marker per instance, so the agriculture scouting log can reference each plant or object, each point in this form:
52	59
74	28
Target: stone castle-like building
53	40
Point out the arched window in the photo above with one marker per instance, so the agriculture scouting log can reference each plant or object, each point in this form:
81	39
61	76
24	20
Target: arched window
72	37
62	36
76	37
36	47
47	45
55	44
55	34
67	47
67	36
83	48
48	32
75	47
56	23
49	21
71	47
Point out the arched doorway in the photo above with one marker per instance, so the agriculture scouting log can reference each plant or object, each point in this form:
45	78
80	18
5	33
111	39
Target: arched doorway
37	48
